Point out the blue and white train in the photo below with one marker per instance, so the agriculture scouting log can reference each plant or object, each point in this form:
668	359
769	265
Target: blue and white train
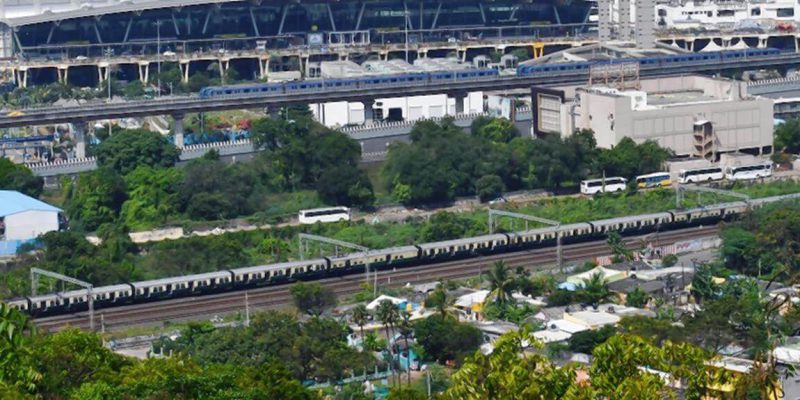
718	58
419	254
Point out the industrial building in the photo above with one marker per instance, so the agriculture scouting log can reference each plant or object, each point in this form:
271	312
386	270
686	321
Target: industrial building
23	218
692	115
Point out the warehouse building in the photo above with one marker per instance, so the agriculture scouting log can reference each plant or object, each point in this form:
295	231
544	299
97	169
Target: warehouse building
23	218
692	115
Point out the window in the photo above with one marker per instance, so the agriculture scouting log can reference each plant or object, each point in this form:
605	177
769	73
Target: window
755	12
785	12
725	13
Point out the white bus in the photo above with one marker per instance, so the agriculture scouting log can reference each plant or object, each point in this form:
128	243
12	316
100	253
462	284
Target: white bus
607	185
700	175
330	214
752	171
656	179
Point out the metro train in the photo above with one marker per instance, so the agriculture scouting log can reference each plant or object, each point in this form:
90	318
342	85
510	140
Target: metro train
419	254
656	62
421	78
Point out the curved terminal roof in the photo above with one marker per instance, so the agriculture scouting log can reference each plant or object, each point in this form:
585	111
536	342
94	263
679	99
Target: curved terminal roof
119	8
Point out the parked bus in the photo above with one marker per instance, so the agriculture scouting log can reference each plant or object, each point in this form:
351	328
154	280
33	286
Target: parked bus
330	214
700	175
656	179
752	171
607	185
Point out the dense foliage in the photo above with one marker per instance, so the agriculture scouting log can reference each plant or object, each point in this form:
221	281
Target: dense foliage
766	242
18	177
75	365
313	349
495	158
135	185
131	148
444	338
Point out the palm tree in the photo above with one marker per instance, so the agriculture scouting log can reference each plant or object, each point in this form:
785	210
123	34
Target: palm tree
596	288
618	248
500	282
360	316
388	314
440	301
406	329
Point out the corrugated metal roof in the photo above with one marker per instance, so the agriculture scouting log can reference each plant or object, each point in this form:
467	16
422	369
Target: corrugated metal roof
12	202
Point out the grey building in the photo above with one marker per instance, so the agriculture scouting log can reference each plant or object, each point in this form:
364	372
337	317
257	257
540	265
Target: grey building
692	115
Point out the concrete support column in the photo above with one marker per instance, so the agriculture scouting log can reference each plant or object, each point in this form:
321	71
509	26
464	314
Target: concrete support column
144	72
459	103
79	134
304	65
184	66
178	130
690	45
369	112
263	67
762	43
224	64
63	74
22	77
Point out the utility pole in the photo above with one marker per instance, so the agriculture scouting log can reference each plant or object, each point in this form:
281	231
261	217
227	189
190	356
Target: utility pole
303	239
246	309
158	54
36	272
527	218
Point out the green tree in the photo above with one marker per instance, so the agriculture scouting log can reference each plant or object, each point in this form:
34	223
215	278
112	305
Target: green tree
95	198
312	298
618	248
360	316
445	338
152	196
496	130
132	148
440	301
629	159
133	90
586	341
501	284
17	372
787	136
489	187
18	177
69	358
595	289
345	185
636	298
703	286
510	372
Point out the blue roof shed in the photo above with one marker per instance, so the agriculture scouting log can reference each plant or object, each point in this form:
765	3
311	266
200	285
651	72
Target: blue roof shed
13	202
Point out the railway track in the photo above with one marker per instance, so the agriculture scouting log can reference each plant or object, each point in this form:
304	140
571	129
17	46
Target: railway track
272	297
